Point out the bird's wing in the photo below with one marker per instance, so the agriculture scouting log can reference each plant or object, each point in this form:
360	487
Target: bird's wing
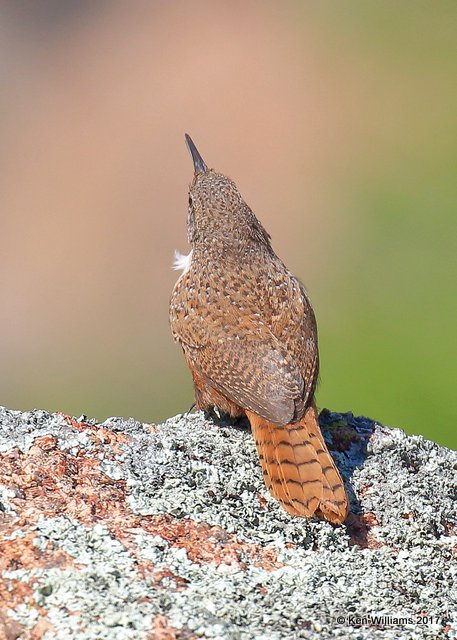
246	363
291	320
309	354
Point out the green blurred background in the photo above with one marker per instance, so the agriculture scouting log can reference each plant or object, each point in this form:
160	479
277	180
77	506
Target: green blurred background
338	122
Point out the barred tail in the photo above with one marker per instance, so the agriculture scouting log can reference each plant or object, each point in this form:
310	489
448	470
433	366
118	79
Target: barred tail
298	469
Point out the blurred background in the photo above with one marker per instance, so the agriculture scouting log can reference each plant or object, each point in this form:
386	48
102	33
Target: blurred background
338	122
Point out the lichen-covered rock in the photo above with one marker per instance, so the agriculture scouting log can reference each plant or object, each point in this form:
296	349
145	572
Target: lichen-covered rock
127	530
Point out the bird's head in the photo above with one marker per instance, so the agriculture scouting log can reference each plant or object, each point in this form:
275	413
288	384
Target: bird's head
218	217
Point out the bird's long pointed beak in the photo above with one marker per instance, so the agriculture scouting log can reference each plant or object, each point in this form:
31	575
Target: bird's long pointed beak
199	164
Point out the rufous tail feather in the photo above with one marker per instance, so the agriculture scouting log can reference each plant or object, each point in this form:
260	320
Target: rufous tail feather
298	469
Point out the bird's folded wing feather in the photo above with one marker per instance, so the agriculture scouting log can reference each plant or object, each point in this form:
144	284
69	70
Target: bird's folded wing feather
248	366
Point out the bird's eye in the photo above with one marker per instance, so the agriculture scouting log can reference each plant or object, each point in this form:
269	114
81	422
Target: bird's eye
190	201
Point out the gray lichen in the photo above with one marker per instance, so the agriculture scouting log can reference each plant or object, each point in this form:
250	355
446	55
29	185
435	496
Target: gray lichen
192	469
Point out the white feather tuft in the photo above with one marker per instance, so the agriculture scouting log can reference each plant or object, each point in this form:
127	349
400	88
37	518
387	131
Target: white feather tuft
182	262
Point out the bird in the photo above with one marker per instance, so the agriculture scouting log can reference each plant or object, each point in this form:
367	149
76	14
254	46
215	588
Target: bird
249	336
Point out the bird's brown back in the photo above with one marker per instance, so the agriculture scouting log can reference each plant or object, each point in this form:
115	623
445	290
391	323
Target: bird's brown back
247	324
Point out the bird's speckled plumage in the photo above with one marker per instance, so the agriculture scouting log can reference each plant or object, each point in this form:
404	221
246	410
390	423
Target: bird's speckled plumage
249	335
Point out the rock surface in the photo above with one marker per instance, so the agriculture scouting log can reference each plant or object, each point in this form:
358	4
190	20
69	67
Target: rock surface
126	530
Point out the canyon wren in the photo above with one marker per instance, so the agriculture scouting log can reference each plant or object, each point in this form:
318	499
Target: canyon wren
249	336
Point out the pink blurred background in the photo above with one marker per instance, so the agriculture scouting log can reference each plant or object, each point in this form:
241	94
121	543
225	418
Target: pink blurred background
338	123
